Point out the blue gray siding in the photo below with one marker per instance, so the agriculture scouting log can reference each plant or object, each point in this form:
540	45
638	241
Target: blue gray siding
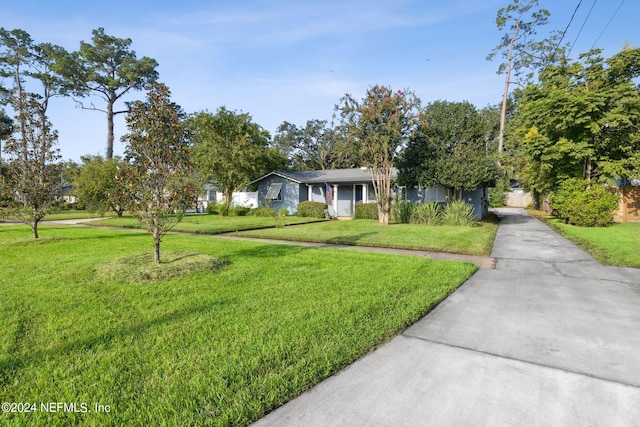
290	194
477	198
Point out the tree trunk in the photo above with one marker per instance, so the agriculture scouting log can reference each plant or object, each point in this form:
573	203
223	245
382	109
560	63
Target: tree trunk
156	246
109	153
384	217
505	94
228	196
34	229
503	111
536	200
588	170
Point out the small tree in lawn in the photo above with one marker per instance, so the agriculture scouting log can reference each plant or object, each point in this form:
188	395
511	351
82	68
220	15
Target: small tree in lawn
33	173
377	128
96	187
159	179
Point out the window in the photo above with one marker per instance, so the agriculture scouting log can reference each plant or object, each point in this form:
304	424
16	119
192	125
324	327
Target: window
274	192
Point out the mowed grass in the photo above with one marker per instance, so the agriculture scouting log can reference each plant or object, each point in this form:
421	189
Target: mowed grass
211	224
215	347
472	240
617	244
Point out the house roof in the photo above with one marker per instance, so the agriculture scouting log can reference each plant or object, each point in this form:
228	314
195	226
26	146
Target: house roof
328	176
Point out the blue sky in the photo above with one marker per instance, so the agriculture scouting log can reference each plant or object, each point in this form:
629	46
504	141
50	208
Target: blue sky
292	60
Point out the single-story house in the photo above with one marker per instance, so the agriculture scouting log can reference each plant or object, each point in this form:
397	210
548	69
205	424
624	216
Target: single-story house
343	189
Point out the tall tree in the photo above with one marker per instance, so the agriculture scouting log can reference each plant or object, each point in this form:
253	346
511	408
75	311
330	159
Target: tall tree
582	120
108	68
232	150
452	147
6	129
160	180
314	146
377	127
520	50
33	175
24	63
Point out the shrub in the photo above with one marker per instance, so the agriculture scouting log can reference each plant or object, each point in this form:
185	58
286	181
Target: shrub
458	212
428	213
402	211
311	209
280	216
498	194
212	209
263	211
238	211
366	211
577	205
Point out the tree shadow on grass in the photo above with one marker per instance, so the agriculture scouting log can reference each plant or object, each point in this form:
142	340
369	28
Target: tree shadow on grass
352	240
276	250
119	235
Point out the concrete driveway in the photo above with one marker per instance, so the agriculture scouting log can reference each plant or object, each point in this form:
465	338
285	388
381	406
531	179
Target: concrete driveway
547	338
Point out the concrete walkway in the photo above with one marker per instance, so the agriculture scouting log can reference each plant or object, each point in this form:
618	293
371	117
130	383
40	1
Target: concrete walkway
549	337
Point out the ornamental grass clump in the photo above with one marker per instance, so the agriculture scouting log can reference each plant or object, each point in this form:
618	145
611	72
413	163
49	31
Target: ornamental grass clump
428	213
458	212
263	212
402	211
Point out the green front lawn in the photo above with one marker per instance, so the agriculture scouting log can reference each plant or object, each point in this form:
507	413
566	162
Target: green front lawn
222	346
473	240
617	244
211	224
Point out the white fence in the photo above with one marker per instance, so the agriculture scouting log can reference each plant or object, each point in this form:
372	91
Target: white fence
518	199
248	199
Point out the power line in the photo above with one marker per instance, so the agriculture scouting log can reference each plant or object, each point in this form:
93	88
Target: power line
565	30
607	26
582	27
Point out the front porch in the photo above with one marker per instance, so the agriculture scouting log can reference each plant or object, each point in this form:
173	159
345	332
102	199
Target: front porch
342	197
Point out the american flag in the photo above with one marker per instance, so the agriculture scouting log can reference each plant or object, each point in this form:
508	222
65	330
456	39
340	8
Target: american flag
329	194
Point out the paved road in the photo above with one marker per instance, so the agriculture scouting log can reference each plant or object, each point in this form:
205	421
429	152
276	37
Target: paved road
549	337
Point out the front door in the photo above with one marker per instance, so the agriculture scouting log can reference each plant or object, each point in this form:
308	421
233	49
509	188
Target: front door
345	200
359	198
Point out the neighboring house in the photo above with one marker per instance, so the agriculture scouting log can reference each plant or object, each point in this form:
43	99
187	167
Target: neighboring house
343	189
66	193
